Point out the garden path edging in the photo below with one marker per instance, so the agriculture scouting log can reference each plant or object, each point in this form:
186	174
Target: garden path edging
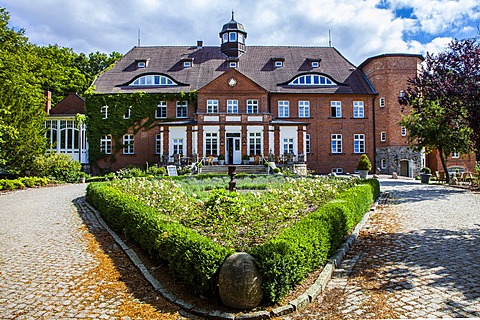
297	304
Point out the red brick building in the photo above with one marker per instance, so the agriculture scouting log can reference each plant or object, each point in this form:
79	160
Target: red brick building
281	102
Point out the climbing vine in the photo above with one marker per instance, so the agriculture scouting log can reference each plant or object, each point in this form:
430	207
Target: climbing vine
141	117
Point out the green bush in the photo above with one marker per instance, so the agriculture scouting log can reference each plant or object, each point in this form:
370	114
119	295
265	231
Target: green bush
57	166
287	259
364	163
21	183
193	258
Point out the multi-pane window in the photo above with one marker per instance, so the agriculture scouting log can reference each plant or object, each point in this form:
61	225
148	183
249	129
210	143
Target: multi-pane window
51	133
455	154
232	106
336	109
158	143
382	102
304	109
211	143
336	143
212	106
283	109
104	112
252	106
177	146
404	131
182	108
307	143
383	136
161	111
106	144
358	109
359	143
383	163
128	144
288	145
255	143
128	113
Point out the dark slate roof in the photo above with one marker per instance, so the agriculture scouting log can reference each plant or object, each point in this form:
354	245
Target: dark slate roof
257	63
70	105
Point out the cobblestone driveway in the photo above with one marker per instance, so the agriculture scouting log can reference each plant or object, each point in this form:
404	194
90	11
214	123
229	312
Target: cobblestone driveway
418	257
52	267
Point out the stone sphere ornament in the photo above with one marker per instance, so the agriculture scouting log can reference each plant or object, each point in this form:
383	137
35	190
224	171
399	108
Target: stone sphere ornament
240	282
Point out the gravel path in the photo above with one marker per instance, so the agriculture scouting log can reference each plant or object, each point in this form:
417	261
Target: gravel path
52	266
418	257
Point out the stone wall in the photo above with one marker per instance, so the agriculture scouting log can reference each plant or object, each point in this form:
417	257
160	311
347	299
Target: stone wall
393	160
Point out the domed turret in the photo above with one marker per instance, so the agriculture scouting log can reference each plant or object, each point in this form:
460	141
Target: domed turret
233	37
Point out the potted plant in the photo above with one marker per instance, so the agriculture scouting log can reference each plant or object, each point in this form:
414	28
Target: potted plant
364	166
221	159
246	159
425	175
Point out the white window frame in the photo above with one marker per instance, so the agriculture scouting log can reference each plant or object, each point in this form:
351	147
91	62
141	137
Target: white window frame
337	170
315	64
212	106
358	109
455	155
337	107
382	102
304	109
311	80
177	146
359	143
153	80
104	112
161	111
211	143
336	143
252	106
283	109
187	64
128	142
383	163
278	63
255	146
288	145
106	144
383	136
307	143
158	143
128	113
232	106
232	37
182	109
404	132
141	64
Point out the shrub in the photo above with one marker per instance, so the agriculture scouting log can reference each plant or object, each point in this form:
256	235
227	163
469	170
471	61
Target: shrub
59	167
193	258
156	171
25	182
426	170
364	163
288	258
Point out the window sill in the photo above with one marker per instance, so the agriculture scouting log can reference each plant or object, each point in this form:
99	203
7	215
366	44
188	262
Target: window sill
359	118
336	118
337	153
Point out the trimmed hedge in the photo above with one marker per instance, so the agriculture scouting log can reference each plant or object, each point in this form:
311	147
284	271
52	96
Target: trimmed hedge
304	247
21	183
193	258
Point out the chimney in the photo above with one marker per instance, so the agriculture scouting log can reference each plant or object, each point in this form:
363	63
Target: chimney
199	44
48	103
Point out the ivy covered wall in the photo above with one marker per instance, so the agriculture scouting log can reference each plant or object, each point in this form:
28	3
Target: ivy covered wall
142	117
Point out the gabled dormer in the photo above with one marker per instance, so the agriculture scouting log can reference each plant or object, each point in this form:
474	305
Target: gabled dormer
233	37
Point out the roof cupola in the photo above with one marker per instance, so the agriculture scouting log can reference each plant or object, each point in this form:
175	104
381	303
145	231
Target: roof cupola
233	37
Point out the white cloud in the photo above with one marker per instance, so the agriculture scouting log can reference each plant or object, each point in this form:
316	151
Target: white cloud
359	29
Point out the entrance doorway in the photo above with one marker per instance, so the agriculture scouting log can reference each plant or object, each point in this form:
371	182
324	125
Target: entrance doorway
233	152
404	168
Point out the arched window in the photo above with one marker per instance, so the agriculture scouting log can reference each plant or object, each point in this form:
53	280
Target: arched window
153	80
311	80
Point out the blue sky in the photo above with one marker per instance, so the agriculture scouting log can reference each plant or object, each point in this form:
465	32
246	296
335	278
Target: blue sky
359	28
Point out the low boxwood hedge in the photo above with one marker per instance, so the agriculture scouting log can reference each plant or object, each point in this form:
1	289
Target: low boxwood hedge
193	258
287	259
21	183
283	261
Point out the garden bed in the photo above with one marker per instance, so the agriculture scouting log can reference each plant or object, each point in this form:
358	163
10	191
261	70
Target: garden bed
283	226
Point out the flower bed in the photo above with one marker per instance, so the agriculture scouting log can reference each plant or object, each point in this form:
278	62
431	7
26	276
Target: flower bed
281	226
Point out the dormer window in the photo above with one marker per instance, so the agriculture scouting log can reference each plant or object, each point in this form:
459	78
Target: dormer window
233	64
232	36
311	80
141	64
278	62
153	80
315	64
187	64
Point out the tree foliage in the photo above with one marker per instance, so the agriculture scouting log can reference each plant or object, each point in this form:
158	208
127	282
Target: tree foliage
445	100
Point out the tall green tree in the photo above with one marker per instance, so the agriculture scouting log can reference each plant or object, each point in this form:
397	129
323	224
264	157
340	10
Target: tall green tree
21	101
431	127
95	63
